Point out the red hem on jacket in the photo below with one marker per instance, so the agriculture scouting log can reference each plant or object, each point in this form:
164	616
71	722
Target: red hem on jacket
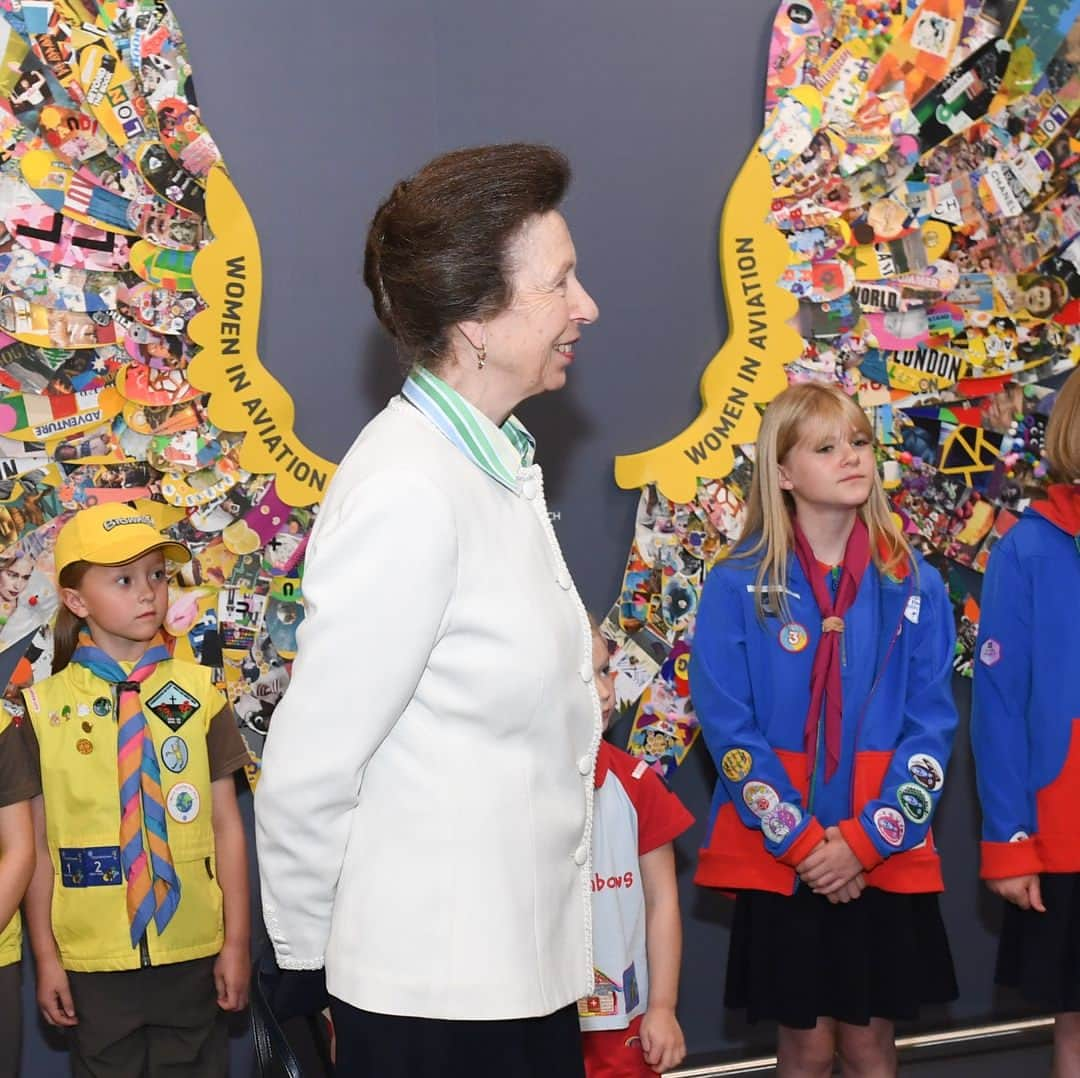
1057	858
916	872
913	872
800	849
739	873
1003	860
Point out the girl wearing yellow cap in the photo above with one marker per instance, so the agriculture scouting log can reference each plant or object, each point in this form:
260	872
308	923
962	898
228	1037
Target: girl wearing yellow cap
138	908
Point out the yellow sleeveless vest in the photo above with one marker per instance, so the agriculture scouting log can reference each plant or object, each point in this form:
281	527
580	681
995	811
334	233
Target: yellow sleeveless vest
74	717
11	936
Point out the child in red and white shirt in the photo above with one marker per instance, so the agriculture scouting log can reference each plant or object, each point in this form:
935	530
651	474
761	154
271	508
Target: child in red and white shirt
628	1023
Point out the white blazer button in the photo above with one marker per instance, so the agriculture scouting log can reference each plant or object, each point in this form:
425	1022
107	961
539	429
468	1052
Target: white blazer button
585	765
586	672
563	579
581	855
529	487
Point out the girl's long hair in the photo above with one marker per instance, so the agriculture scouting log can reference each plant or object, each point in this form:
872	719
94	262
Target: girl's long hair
68	626
801	412
1063	432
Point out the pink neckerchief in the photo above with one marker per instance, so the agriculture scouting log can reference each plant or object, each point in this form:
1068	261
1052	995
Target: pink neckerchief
825	683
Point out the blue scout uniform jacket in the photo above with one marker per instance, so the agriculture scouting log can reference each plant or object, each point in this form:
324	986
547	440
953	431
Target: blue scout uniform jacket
1025	723
750	685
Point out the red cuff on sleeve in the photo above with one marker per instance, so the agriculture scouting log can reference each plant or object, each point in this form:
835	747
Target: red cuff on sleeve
800	849
1002	860
860	842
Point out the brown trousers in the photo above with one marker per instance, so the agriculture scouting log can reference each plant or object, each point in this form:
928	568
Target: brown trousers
10	1020
158	1022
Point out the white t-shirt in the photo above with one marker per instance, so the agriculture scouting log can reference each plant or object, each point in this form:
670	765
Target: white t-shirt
633	813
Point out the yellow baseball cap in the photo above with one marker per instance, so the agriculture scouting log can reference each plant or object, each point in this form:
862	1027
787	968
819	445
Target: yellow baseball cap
112	534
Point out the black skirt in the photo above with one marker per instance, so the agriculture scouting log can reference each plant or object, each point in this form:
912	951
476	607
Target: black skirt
1039	953
371	1045
797	958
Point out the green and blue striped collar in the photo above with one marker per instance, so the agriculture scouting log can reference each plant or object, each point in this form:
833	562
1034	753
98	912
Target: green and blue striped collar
499	451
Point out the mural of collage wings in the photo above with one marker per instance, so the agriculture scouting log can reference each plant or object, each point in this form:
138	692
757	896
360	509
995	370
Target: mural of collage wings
919	231
107	181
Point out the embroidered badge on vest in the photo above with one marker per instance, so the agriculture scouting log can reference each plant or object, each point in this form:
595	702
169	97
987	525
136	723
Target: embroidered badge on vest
173	705
90	866
174	754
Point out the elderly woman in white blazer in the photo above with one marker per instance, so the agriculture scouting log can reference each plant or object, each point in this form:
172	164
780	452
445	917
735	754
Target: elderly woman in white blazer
425	806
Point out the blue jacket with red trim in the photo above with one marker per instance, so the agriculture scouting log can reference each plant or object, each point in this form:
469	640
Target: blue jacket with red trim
750	685
1025	722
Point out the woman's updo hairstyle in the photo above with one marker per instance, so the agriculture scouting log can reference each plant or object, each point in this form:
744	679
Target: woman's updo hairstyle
436	252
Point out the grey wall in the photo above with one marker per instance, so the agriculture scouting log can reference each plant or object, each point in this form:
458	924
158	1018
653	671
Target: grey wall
320	107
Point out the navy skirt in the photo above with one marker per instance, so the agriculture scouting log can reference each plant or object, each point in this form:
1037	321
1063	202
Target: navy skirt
1039	953
796	958
371	1045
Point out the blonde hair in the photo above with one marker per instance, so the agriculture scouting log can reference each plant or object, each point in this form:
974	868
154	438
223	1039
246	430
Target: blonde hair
1063	431
792	416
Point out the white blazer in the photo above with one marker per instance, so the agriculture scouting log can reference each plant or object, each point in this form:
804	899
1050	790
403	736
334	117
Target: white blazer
424	813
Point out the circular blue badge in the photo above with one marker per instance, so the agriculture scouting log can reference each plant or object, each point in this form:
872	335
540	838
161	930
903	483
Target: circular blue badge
174	754
793	637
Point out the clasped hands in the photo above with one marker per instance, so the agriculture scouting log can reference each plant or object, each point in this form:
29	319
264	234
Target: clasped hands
832	869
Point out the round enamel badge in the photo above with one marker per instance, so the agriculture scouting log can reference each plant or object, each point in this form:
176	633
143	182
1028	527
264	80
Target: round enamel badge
183	802
890	825
914	802
760	798
102	706
779	823
793	637
736	764
174	753
85	746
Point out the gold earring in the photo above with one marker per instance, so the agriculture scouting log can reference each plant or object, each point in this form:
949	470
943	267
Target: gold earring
481	357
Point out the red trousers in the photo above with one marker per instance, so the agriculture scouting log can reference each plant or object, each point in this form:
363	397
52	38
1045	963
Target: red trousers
615	1053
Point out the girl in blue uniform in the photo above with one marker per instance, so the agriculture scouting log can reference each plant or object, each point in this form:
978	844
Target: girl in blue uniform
1025	733
821	672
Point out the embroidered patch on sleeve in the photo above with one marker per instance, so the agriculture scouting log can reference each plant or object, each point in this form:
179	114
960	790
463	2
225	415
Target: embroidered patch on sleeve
914	802
779	823
926	771
760	798
890	825
736	764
